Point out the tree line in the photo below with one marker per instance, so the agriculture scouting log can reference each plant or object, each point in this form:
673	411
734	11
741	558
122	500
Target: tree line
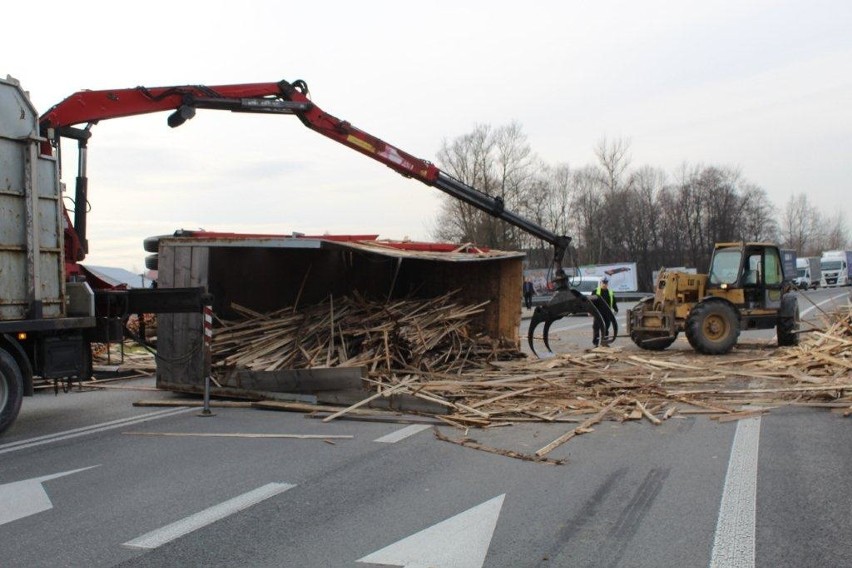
615	212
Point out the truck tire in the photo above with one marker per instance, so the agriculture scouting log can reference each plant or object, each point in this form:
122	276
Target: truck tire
152	244
11	390
649	341
713	327
788	322
152	262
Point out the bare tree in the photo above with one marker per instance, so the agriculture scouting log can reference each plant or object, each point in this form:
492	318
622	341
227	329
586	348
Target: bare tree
616	213
548	203
498	162
613	161
690	216
801	226
836	234
589	214
643	223
758	212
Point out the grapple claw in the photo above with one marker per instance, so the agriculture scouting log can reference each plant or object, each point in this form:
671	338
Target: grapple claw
546	332
564	303
537	318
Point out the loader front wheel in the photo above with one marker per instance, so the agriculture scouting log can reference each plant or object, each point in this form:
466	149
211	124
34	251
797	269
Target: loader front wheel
652	342
788	322
712	328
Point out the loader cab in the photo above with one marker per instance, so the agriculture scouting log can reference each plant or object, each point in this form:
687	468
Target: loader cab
748	274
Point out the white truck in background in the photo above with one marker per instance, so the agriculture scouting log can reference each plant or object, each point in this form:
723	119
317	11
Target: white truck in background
835	266
808	272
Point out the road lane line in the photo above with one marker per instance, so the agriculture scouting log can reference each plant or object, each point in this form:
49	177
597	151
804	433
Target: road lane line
813	307
734	544
168	533
395	437
85	430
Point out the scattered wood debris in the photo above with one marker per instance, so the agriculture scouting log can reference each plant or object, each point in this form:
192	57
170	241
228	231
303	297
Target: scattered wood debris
425	349
126	357
431	335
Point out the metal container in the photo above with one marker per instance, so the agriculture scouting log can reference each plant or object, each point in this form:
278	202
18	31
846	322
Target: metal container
266	274
32	283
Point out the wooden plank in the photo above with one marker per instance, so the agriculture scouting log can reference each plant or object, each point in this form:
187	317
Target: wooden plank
394	388
193	402
243	435
502	397
400	402
653	419
741	415
303	407
166	369
581	429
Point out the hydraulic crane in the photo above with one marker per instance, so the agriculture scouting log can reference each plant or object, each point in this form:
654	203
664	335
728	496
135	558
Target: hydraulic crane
283	97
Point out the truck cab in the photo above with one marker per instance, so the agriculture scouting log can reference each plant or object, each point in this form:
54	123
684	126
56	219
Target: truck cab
808	273
835	265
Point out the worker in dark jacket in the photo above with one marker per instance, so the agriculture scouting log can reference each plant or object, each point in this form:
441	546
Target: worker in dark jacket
529	290
606	296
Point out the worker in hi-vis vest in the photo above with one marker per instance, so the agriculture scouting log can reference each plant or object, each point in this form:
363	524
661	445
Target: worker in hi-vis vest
608	296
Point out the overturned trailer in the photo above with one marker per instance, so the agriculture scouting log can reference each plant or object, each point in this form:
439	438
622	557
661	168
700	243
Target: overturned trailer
266	273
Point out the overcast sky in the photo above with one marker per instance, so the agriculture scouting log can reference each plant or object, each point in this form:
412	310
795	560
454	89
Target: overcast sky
762	86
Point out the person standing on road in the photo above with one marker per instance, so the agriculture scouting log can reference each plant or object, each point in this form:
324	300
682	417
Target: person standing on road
606	296
529	290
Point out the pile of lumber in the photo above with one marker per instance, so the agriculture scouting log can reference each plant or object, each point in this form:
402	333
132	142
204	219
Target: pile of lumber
655	386
148	323
127	357
424	348
428	335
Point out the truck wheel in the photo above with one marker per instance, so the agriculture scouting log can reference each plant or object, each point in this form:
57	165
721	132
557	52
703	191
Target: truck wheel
788	322
152	244
650	341
712	328
11	390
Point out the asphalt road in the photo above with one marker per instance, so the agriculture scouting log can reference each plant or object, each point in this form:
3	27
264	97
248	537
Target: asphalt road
86	479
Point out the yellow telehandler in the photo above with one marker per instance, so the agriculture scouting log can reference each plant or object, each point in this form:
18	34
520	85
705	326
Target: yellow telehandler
745	289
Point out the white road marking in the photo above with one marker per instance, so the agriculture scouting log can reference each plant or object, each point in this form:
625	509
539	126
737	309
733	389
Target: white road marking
206	517
823	302
461	541
813	307
402	434
24	498
85	430
734	545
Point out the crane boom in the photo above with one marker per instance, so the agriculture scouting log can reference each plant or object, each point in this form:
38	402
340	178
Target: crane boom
284	97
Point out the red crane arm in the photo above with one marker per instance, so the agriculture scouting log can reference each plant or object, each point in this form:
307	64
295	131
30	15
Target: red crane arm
343	132
92	106
277	98
281	98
